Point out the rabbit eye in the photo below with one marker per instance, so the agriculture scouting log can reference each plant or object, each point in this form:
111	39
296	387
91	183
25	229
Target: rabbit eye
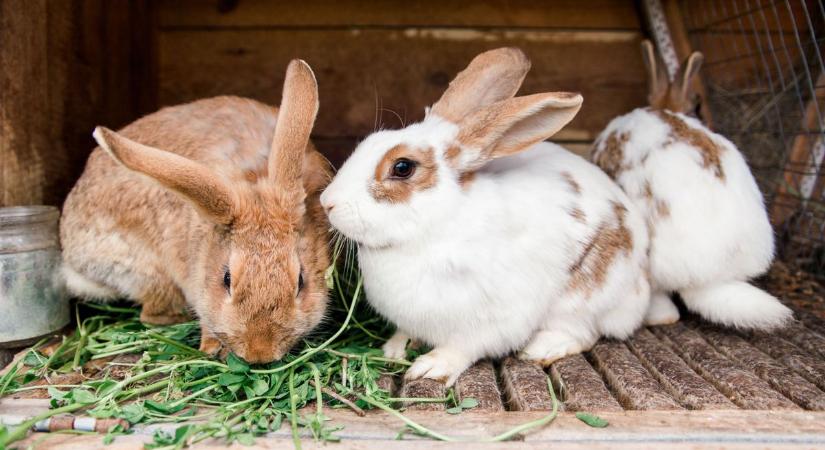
403	168
227	280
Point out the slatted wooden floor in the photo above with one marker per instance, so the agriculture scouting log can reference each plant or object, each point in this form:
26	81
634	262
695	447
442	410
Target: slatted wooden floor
687	371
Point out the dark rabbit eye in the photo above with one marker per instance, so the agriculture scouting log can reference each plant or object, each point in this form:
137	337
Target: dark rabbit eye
227	280
403	168
301	281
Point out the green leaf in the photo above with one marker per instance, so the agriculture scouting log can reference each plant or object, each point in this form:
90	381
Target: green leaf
163	408
56	394
260	386
456	410
133	413
108	439
33	360
236	364
328	276
468	403
228	379
245	439
591	419
82	396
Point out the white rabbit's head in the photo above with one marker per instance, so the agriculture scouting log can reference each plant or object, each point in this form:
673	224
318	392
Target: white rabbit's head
398	184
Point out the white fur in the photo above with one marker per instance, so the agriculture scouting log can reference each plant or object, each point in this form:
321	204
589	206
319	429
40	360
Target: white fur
717	230
481	271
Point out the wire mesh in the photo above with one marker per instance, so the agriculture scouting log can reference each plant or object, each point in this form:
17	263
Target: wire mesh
765	82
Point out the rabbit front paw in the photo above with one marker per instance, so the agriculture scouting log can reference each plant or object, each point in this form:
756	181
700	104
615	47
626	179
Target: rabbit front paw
547	347
661	311
396	346
442	365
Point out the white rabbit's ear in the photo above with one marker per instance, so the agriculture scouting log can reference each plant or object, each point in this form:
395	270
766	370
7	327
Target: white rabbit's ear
192	180
510	126
299	106
657	79
490	77
683	95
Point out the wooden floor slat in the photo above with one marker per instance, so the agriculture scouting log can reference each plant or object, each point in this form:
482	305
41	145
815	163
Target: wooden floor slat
634	386
423	388
741	386
810	320
804	338
581	386
479	382
812	369
675	375
525	385
790	384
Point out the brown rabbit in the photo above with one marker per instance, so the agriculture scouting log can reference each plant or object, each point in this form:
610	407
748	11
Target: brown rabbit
209	213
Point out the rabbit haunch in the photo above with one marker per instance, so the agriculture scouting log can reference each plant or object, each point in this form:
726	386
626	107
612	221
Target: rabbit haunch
709	229
212	207
505	243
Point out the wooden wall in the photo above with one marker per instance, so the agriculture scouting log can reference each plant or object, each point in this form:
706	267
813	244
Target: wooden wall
67	65
379	63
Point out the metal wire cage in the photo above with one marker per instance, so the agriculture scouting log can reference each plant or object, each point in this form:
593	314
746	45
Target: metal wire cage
764	79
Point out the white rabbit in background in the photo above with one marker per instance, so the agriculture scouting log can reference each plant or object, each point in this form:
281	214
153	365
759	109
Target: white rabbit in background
708	226
478	239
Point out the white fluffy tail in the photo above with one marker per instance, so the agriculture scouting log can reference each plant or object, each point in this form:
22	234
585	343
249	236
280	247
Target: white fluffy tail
737	304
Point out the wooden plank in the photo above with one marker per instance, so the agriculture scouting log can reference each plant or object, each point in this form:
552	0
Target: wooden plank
812	369
628	429
423	388
632	384
804	338
581	386
791	385
479	382
742	387
525	385
598	14
675	375
362	71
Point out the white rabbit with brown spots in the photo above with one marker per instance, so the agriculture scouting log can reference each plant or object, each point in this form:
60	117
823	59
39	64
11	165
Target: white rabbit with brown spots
709	229
478	239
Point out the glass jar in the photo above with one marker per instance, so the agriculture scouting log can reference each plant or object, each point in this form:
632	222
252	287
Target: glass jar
33	301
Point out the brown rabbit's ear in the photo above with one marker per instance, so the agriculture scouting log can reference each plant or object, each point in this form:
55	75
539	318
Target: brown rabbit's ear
681	89
195	182
299	105
657	79
492	76
510	126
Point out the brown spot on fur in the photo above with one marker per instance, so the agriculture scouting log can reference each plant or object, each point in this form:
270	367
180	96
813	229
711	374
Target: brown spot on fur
574	185
662	208
609	153
647	190
466	179
612	237
451	155
578	214
680	131
393	190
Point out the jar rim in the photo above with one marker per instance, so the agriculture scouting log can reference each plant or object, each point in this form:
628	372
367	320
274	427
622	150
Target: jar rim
15	215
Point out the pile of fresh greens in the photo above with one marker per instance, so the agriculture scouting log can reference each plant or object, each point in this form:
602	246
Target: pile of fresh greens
173	382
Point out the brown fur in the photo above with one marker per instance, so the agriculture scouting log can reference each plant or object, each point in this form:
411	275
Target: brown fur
680	131
611	239
578	214
574	185
384	188
125	231
466	179
610	153
490	77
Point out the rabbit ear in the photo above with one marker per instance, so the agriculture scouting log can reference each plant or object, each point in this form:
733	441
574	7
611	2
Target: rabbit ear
684	80
299	106
510	126
195	182
658	82
491	76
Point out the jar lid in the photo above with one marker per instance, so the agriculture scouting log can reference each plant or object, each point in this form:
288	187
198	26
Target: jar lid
19	215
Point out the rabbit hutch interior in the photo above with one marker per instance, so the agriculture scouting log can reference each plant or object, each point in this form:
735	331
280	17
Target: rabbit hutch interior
81	374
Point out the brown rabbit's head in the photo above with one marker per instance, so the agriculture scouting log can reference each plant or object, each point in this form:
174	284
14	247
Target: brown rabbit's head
678	95
257	283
